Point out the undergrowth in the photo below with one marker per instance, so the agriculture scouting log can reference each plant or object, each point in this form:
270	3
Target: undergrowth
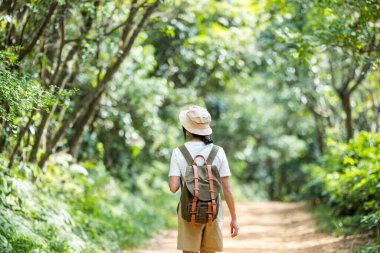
346	184
72	208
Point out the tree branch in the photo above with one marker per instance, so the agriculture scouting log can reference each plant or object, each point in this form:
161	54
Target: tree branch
350	77
23	29
6	5
361	76
62	44
89	98
125	48
333	81
367	66
128	21
46	21
128	25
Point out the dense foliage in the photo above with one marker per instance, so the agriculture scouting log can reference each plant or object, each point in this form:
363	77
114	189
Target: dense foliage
347	178
76	208
292	86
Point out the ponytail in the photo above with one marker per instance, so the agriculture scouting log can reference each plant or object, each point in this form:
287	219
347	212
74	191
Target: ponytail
207	139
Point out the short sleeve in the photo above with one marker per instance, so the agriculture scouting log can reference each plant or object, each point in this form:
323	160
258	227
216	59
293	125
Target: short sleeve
224	170
175	169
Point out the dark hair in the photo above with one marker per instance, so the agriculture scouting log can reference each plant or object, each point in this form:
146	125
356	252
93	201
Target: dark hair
207	139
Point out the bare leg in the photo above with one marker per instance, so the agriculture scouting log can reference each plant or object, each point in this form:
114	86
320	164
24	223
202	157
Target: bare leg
189	252
205	251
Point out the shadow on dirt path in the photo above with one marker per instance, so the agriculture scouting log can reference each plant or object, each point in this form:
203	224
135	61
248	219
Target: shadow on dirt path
267	227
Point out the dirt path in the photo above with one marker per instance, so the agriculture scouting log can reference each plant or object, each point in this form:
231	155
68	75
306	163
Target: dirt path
267	227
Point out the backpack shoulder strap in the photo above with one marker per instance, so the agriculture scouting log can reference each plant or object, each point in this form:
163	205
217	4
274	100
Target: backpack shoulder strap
212	154
189	159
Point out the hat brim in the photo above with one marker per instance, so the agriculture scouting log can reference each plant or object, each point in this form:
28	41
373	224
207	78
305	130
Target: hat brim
199	129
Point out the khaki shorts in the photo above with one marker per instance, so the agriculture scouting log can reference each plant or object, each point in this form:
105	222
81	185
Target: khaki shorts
194	237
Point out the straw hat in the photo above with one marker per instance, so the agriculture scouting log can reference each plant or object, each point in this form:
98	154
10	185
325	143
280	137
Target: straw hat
196	120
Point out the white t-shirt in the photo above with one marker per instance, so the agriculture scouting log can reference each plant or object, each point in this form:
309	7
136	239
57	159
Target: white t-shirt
178	164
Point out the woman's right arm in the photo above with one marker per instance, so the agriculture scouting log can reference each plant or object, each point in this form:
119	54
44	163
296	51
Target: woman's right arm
174	183
174	173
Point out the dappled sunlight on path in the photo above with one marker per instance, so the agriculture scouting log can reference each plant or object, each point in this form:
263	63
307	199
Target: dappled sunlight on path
267	227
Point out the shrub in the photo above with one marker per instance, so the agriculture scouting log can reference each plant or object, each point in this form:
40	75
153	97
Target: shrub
75	208
348	179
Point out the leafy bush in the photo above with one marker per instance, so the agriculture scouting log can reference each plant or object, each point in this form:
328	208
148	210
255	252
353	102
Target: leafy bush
348	180
76	208
20	92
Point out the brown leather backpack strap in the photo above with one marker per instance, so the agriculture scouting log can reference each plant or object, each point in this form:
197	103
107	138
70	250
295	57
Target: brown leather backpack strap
209	213
196	190
212	155
186	154
212	191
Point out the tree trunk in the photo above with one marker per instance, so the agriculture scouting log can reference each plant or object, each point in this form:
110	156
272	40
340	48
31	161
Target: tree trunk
319	133
81	126
272	184
46	117
40	31
8	6
25	153
126	46
3	139
282	182
345	99
62	80
40	130
19	139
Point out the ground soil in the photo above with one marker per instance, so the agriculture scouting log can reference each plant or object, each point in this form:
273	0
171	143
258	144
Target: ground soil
268	227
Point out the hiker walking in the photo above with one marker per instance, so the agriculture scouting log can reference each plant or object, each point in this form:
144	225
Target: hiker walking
201	169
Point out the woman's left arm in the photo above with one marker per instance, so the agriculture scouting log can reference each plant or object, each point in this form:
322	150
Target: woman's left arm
231	205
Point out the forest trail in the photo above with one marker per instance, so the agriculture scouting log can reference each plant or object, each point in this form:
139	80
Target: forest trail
267	227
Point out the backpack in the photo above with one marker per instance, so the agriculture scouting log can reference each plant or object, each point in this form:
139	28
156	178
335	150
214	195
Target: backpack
200	191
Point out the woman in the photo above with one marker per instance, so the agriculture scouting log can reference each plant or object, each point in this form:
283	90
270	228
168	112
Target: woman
205	238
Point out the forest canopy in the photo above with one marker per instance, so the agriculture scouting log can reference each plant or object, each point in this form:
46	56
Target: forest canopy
95	86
